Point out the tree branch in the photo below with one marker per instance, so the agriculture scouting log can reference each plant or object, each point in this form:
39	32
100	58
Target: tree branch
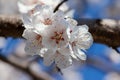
102	32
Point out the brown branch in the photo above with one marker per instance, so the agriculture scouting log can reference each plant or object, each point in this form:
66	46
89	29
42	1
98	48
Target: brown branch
102	33
11	26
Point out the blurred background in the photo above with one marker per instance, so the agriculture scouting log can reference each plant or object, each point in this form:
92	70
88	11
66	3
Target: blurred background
103	62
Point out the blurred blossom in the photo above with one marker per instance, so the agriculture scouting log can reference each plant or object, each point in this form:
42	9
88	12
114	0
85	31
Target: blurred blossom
6	70
114	56
71	74
109	22
8	7
112	76
36	69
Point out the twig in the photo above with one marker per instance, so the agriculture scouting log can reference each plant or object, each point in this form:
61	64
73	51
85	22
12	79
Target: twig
102	33
57	7
115	48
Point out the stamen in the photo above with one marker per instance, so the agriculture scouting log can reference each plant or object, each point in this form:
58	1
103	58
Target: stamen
39	38
48	21
58	37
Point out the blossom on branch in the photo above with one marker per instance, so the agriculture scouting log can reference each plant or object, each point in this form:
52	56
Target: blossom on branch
61	38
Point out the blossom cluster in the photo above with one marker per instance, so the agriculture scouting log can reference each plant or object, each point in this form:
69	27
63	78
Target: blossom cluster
56	38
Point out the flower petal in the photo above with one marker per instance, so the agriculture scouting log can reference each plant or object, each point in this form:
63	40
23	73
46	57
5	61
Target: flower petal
27	21
72	53
23	7
50	44
29	34
32	48
82	37
71	21
63	61
64	51
49	57
79	54
58	15
85	41
80	29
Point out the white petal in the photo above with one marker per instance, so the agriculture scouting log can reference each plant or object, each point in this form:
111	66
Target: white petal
64	43
32	48
26	18
68	33
62	27
48	43
58	15
40	28
49	57
81	55
81	29
82	37
72	21
64	51
72	53
25	8
51	43
78	31
85	41
29	34
37	10
43	51
47	11
63	61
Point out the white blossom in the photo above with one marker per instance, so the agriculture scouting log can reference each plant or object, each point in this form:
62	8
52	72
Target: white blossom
81	39
61	58
33	44
56	38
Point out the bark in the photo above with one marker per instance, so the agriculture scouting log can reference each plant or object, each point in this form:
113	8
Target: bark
104	33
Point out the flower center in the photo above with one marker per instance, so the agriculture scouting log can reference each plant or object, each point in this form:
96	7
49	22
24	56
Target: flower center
74	43
31	11
47	21
39	38
58	37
